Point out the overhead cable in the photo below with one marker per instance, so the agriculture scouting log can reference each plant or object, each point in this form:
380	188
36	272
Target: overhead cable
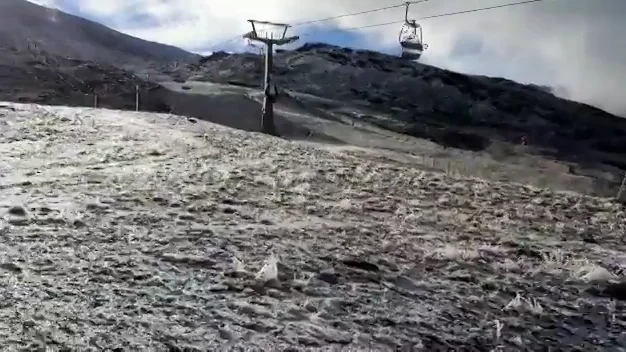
329	19
440	15
359	13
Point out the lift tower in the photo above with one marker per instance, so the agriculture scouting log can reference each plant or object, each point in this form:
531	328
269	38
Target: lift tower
270	90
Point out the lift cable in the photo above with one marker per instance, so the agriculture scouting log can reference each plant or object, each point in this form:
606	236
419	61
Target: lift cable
435	16
358	13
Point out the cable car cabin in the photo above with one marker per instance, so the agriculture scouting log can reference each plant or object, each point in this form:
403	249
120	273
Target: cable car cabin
411	50
410	39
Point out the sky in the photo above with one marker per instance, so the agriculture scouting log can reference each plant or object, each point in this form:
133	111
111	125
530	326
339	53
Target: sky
578	47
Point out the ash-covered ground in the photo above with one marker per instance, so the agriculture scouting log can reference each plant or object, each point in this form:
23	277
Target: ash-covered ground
140	231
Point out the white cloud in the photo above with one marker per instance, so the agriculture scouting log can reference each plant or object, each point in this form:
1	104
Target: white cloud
108	8
49	3
571	43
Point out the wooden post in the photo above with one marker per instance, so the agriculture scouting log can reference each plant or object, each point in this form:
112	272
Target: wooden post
269	89
621	194
136	97
267	116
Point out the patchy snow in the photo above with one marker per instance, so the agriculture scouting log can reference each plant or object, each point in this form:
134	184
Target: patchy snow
144	231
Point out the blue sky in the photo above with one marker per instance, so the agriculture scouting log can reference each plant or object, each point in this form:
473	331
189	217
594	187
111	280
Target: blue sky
570	44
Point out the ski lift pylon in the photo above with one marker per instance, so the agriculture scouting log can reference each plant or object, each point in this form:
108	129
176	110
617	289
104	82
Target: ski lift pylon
411	38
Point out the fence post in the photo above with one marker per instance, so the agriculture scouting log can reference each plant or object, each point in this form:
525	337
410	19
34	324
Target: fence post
136	97
621	194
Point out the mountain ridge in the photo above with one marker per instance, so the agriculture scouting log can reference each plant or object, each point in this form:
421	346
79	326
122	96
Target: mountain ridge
60	33
425	96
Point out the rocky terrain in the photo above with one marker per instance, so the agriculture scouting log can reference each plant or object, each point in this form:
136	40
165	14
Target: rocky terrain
132	231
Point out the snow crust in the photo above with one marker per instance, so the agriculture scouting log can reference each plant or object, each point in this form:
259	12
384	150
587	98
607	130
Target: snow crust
150	232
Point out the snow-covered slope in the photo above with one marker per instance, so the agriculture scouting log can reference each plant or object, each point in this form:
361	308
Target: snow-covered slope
121	229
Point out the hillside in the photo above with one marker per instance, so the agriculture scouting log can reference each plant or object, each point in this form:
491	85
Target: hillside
56	80
121	229
330	94
24	24
476	113
51	57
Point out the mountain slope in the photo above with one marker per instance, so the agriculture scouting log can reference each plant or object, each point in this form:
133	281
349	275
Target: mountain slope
49	57
24	24
455	110
50	80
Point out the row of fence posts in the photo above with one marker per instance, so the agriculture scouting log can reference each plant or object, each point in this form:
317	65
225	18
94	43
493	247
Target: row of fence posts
450	168
95	98
620	197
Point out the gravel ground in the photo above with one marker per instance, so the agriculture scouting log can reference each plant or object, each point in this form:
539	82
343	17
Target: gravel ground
133	231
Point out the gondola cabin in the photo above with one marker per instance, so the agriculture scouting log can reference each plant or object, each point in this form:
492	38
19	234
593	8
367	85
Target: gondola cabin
411	38
411	41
